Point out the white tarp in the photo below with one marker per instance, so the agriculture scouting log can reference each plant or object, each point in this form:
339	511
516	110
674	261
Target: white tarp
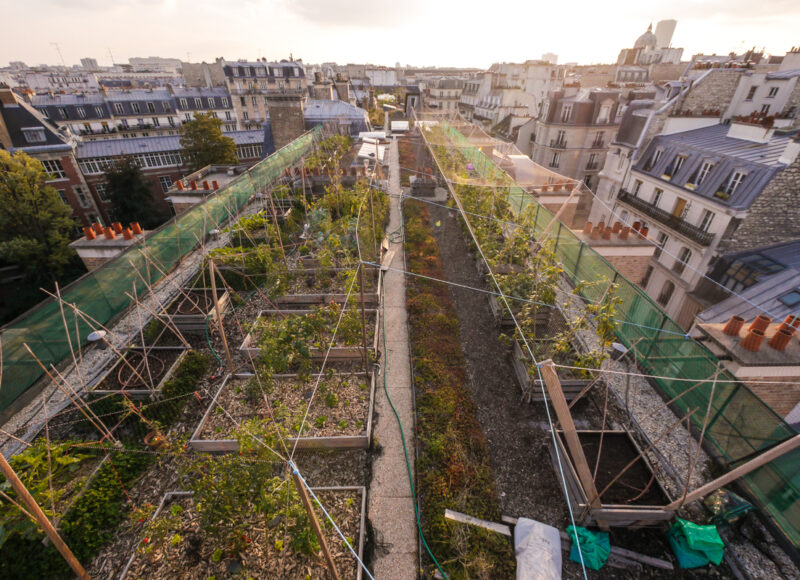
538	550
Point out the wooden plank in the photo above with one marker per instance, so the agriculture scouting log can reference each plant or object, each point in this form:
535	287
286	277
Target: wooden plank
571	436
467	519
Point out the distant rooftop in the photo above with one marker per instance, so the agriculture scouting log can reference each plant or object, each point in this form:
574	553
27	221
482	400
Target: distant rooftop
116	147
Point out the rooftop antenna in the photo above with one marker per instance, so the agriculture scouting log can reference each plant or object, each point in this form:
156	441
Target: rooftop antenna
61	56
111	55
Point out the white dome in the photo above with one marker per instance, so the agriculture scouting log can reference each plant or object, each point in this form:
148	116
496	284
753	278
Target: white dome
648	39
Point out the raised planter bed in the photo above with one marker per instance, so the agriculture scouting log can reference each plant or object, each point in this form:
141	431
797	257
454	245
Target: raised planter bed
635	499
341	353
194	306
311	286
262	558
131	376
532	387
353	405
500	313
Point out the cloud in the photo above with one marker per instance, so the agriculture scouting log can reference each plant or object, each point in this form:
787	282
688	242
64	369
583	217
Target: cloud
354	13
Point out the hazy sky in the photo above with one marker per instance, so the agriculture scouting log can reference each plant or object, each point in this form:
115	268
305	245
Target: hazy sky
420	32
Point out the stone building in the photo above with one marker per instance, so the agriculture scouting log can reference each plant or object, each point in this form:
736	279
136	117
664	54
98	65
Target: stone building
444	94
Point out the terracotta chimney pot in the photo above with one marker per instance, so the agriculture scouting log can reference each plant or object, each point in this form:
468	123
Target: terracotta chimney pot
607	234
193	185
624	233
617	227
179	185
761	322
780	339
587	228
643	233
90	235
98	229
137	229
205	186
117	227
127	234
752	341
734	325
110	235
636	226
215	184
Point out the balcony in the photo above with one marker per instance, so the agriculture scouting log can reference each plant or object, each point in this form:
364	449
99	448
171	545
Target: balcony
592	165
673	222
558	144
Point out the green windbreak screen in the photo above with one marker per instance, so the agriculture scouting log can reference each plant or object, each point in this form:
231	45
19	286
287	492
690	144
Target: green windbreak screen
106	292
740	423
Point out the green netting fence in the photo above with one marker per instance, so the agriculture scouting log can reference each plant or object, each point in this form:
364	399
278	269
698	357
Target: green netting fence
741	425
104	293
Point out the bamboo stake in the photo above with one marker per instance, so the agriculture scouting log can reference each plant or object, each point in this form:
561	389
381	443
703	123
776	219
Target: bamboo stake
167	322
145	352
78	368
212	272
42	520
49	458
649	447
301	489
740	471
363	318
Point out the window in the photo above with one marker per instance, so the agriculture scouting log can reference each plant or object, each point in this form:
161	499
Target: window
772	92
699	175
165	105
746	271
227	115
791	299
278	72
99	111
734	181
598	140
661	243
140	121
764	109
184	104
244	103
135	107
249	151
657	196
592	163
245	116
674	167
82	197
124	123
34	134
646	278
254	100
225	102
605	113
171	121
62	112
653	159
666	293
166	182
118	109
54	168
554	161
561	138
62	194
683	258
187	116
81	112
705	222
637	185
102	191
214	114
198	103
235	71
566	112
151	107
210	102
751	93
155	122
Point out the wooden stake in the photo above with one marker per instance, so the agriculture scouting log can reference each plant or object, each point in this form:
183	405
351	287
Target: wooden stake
212	271
571	436
363	319
301	489
41	519
755	463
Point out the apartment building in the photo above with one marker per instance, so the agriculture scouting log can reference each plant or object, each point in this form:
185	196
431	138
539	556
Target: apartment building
444	94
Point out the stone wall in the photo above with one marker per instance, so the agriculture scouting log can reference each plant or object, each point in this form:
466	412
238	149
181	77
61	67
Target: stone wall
286	118
715	92
772	218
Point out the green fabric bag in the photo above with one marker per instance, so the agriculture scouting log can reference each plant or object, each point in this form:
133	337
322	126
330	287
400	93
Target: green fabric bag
695	545
595	547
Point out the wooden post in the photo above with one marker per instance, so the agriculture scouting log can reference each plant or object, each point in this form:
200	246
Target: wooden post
41	519
212	272
571	436
374	234
755	463
301	489
363	318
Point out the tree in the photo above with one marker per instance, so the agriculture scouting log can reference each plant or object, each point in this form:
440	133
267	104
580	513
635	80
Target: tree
35	225
130	195
203	143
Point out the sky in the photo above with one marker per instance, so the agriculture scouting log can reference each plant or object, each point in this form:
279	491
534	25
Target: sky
468	33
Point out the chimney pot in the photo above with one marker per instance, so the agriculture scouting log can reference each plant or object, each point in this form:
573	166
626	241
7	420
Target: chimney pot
137	229
179	185
734	325
193	184
127	234
643	233
617	227
109	234
587	228
98	229
205	186
636	226
117	227
90	235
215	184
780	339
624	233
606	234
792	320
761	322
752	341
601	226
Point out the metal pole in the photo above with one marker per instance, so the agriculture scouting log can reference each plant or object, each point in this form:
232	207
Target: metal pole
42	520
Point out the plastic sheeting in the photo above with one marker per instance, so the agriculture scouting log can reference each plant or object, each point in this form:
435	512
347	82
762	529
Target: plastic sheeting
538	550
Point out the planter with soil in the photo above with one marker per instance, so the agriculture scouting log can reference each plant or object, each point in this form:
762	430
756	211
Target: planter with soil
635	499
194	306
137	369
531	386
180	547
348	346
340	416
310	287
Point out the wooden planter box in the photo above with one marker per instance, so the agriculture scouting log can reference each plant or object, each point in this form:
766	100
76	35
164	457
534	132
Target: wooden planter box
618	450
362	441
191	317
359	543
100	386
500	313
337	353
532	387
371	298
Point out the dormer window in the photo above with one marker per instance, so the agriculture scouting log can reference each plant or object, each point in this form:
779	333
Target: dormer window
674	167
731	184
566	112
34	135
654	159
699	175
